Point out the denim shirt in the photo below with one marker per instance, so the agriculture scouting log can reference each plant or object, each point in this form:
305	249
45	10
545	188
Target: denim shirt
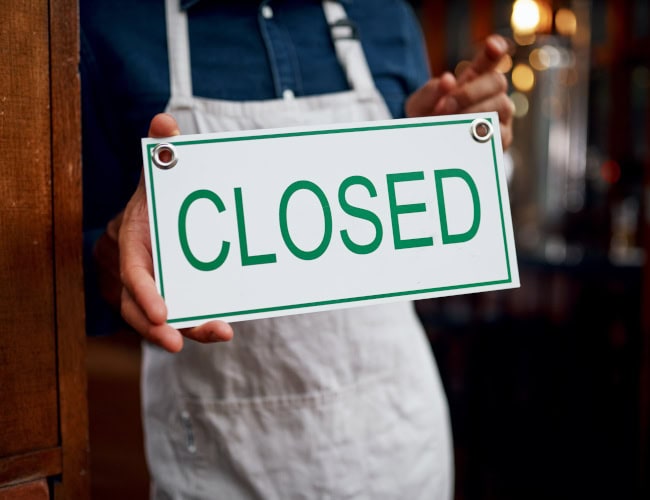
239	53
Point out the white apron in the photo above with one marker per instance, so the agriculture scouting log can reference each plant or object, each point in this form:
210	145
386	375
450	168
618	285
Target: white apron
337	405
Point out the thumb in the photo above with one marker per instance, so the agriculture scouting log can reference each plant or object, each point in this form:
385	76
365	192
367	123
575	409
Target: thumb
135	248
163	125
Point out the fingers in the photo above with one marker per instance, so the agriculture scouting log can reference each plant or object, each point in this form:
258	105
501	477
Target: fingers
480	88
212	331
486	59
424	100
500	103
136	270
142	307
141	304
163	335
468	95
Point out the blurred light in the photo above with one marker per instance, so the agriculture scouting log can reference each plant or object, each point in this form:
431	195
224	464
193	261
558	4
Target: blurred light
553	54
524	39
460	67
610	171
521	104
555	249
565	22
523	77
545	17
525	16
539	59
567	58
505	64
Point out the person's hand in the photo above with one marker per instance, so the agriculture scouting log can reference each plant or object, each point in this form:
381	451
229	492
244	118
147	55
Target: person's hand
479	88
141	305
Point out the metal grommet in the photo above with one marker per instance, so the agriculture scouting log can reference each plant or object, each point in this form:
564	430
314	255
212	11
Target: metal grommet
164	149
481	130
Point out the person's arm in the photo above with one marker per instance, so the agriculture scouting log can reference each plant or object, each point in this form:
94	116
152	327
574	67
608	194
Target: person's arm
127	240
479	88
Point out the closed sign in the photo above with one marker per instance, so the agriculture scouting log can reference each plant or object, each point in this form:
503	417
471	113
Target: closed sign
273	222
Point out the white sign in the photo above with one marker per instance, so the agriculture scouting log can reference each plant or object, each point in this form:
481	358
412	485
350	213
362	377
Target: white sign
274	222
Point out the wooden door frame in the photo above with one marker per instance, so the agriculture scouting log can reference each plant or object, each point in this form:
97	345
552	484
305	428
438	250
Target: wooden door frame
68	258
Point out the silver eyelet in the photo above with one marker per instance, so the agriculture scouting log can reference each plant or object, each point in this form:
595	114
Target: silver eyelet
481	130
164	147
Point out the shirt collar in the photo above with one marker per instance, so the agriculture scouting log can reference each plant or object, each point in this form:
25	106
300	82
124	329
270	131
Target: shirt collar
186	4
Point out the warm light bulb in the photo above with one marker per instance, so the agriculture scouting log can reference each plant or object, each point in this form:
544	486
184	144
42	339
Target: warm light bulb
521	104
565	22
539	59
527	39
525	16
523	77
545	17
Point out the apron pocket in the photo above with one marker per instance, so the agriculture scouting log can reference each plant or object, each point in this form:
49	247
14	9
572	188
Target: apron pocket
312	446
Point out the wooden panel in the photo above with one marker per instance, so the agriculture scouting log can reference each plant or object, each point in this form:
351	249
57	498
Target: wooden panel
66	175
27	345
36	490
35	465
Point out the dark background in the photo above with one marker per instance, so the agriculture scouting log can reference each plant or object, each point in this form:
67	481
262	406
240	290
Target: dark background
547	384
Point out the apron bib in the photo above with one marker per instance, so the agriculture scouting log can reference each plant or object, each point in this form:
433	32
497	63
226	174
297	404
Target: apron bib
339	404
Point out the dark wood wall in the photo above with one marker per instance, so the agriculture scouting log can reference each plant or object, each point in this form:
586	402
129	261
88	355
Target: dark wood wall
43	415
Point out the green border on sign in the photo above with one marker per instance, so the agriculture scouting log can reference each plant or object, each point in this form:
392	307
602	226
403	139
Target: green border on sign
331	301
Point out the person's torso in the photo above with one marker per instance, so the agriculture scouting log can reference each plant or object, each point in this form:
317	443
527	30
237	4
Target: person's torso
340	404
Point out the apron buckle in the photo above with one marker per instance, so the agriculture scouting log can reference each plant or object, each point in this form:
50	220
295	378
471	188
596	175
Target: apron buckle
344	29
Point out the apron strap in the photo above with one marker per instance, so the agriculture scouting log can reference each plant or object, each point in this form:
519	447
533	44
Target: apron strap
178	52
348	48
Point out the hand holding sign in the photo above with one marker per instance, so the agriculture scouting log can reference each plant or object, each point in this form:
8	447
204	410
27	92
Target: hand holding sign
478	89
142	306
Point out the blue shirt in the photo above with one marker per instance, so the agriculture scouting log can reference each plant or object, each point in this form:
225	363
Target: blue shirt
236	54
